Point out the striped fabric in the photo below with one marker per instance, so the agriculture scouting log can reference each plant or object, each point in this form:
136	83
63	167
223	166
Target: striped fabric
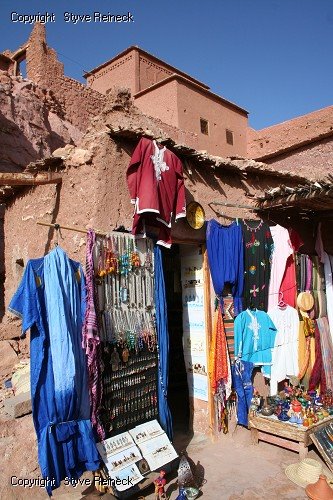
326	350
229	332
91	340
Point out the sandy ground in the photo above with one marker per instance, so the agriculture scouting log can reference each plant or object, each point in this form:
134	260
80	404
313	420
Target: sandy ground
230	469
234	469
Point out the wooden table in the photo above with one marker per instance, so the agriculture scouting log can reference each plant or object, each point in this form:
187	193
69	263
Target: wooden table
291	436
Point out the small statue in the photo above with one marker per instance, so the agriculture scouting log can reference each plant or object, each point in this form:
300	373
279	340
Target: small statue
160	483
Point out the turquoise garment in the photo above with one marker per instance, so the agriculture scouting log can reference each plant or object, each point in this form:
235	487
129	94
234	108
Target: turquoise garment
254	338
51	302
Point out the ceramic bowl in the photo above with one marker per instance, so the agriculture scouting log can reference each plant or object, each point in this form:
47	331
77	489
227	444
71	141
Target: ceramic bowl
267	411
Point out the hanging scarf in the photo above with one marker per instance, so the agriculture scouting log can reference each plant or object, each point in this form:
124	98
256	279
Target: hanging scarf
91	340
220	370
318	373
220	367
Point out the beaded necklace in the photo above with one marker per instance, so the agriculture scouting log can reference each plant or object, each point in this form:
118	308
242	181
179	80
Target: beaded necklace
253	229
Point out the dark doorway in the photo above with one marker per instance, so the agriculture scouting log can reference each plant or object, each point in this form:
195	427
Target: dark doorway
178	395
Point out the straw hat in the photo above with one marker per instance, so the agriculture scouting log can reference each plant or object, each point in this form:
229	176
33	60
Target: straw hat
306	472
305	301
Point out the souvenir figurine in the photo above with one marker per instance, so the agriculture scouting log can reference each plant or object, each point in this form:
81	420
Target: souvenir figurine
160	483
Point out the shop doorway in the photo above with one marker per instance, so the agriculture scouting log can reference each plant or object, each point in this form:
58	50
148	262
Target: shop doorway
178	392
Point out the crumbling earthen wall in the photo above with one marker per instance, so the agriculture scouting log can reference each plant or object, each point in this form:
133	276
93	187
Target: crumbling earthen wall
31	123
6	64
314	160
78	103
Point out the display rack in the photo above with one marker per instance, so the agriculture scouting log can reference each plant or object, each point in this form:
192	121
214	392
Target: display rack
124	271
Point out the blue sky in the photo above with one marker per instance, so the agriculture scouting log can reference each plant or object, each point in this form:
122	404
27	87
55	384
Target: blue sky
271	57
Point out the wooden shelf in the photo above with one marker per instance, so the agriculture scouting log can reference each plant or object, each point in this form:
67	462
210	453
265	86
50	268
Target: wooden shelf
290	436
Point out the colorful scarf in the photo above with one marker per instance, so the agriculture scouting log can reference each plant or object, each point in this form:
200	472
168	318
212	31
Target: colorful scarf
91	340
220	371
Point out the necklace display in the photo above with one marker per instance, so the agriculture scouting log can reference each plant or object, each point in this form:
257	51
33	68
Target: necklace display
125	280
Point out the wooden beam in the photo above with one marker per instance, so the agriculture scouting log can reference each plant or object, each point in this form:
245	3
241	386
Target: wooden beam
27	179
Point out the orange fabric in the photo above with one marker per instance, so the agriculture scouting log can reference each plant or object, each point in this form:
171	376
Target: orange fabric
212	354
306	349
219	355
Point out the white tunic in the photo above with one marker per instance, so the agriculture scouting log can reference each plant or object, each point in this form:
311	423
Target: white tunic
285	351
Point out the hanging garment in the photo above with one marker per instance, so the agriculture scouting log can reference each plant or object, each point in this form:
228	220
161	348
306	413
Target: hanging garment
91	340
282	251
218	353
317	377
327	260
254	339
285	351
308	281
318	289
219	370
306	355
241	381
326	350
165	418
258	249
50	301
226	259
289	282
156	185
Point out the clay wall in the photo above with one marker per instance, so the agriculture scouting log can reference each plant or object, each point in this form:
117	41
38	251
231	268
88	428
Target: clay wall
150	72
314	160
2	260
78	103
134	69
120	73
31	123
291	134
6	64
91	195
194	104
162	103
181	104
